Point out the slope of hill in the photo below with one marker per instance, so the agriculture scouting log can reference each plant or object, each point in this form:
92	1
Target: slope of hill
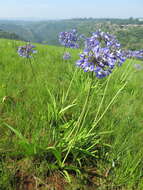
60	128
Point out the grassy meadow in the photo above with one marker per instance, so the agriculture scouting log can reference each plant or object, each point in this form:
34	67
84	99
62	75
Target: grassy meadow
63	129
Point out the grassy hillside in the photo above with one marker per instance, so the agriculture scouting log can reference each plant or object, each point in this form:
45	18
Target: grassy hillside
60	127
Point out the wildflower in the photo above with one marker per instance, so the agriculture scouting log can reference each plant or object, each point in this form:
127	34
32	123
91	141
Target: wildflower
26	51
106	40
138	67
102	52
66	56
134	54
98	60
69	39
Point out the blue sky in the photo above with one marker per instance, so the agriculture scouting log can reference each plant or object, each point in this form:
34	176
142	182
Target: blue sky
58	9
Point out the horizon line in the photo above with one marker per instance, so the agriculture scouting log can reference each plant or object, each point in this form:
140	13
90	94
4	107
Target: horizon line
58	19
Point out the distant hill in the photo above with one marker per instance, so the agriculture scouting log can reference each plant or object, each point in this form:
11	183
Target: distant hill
128	31
9	35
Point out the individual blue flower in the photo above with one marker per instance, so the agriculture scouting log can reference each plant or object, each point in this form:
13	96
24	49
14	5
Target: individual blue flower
66	56
26	51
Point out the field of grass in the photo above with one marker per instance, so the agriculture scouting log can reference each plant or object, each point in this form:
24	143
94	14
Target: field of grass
61	128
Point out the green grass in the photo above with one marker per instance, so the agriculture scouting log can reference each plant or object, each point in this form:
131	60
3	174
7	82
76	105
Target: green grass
56	118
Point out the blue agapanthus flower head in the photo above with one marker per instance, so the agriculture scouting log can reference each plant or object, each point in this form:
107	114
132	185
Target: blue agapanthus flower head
102	52
66	56
69	39
26	51
98	60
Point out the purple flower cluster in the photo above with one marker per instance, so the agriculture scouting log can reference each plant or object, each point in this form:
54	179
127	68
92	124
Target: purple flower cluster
69	39
66	56
101	37
134	54
102	52
26	51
